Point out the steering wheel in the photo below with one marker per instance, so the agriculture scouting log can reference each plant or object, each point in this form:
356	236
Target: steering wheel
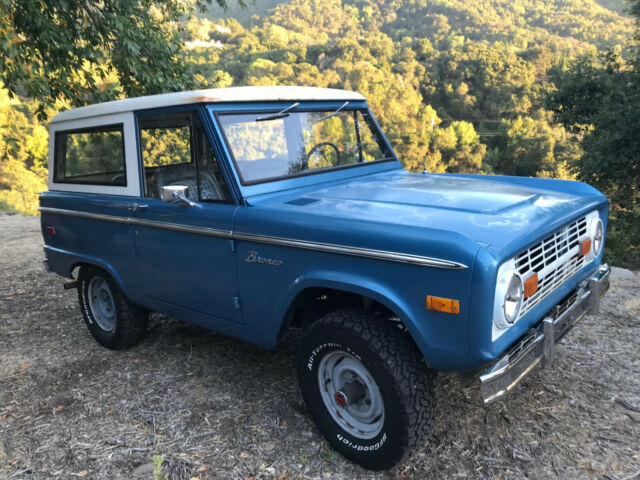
116	178
319	146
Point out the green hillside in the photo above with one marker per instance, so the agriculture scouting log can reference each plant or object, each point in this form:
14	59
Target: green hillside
457	85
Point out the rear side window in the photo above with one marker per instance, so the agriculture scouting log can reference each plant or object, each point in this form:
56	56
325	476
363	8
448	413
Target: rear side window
91	156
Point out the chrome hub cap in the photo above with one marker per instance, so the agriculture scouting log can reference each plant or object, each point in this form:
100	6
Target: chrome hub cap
350	394
102	304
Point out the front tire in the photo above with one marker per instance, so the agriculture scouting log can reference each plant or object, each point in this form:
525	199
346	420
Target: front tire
112	319
366	387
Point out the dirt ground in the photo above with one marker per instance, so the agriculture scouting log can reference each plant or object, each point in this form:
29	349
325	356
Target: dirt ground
215	407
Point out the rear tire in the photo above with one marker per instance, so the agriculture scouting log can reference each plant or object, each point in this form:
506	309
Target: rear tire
348	353
112	319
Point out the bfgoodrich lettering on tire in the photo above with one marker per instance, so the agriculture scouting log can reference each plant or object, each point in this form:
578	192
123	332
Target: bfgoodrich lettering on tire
112	319
366	387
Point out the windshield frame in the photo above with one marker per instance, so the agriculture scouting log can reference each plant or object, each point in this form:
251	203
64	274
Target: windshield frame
307	106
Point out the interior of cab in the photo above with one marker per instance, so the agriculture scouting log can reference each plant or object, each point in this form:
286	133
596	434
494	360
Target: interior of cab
176	151
267	146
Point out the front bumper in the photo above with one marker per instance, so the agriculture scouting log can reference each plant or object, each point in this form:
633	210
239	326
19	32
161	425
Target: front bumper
539	344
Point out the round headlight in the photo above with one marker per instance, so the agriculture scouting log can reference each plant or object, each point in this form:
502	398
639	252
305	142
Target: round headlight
598	236
513	299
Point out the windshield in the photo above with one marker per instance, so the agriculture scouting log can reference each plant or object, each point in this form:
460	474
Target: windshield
291	143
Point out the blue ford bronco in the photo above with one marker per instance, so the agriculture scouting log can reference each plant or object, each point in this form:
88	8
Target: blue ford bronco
255	210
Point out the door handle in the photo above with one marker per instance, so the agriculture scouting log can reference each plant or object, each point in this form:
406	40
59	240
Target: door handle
137	207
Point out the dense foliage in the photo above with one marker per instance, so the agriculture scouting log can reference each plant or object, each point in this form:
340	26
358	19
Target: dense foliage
458	86
92	51
23	156
598	99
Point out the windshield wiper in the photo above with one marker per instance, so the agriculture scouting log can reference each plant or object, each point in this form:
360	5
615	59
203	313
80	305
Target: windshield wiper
333	113
281	114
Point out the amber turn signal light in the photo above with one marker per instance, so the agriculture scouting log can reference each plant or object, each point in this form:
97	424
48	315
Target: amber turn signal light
585	246
445	305
531	285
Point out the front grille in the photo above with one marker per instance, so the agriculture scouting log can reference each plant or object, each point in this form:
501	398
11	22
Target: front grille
565	304
522	345
554	259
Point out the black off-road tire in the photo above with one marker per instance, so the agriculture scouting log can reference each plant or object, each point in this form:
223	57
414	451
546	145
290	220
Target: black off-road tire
130	320
395	363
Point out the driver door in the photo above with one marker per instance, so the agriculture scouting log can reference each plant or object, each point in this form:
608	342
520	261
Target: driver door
185	262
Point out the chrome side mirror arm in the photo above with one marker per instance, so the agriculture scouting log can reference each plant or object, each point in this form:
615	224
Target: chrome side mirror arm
176	194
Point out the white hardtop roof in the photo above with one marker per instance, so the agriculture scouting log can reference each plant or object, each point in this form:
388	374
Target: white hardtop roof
230	94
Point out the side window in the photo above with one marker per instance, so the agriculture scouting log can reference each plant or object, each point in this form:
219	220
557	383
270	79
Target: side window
92	156
176	151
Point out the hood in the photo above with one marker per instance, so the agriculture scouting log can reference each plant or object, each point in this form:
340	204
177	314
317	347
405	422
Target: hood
498	213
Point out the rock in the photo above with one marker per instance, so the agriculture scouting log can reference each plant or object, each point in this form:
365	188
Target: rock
143	471
622	274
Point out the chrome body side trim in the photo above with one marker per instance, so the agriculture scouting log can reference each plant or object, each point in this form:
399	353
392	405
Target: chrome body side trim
139	221
538	345
76	213
353	251
316	246
213	232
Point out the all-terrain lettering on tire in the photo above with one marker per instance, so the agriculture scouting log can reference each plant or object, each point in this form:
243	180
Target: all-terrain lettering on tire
113	320
366	387
361	448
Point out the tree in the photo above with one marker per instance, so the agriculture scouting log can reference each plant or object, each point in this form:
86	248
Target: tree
92	51
599	101
456	86
528	145
23	156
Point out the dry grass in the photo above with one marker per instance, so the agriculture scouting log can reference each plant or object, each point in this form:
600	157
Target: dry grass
215	407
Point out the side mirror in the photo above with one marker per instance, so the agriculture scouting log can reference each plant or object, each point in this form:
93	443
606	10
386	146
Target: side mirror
176	194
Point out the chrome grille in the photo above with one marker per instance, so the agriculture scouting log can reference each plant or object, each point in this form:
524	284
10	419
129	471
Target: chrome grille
564	305
554	259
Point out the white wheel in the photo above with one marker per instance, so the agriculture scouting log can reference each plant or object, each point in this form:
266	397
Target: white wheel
101	304
350	394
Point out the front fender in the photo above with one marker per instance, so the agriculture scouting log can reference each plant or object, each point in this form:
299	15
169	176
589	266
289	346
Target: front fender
355	284
440	337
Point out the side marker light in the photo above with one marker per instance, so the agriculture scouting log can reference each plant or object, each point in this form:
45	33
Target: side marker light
445	305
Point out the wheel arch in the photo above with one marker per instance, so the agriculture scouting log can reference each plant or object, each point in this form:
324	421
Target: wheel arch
91	262
351	290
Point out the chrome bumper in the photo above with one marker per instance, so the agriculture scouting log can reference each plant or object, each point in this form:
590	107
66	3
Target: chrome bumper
539	344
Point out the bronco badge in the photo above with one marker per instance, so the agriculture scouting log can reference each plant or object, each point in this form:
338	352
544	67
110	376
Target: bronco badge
253	257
